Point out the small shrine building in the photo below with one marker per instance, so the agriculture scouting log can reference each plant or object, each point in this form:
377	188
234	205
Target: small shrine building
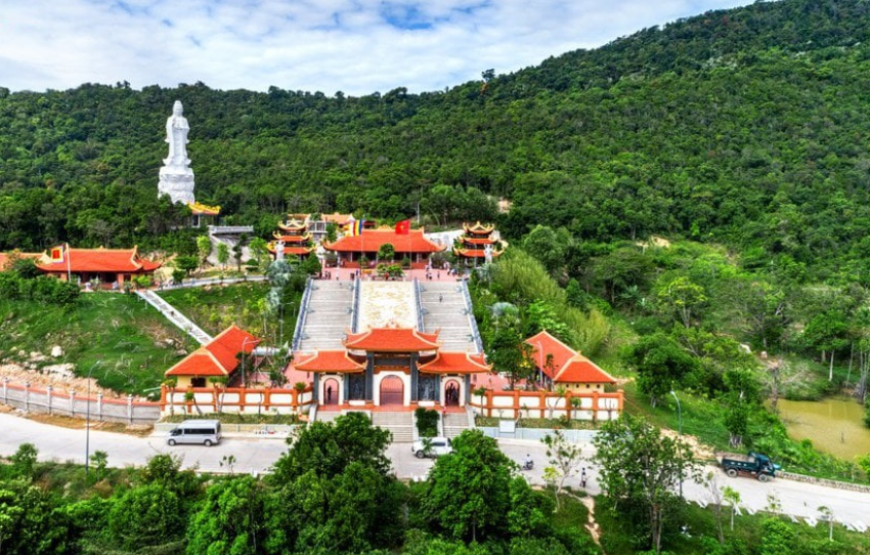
413	245
477	244
112	267
561	366
293	237
391	366
217	359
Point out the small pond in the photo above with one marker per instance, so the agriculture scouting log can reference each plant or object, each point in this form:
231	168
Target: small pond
835	425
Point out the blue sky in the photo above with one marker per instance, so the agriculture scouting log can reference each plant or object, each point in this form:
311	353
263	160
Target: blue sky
354	46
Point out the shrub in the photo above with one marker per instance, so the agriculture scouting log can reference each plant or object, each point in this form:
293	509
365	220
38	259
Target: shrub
427	422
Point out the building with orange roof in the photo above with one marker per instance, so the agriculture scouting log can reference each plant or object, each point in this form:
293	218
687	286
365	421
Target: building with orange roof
217	359
391	365
477	243
292	238
112	267
560	365
413	245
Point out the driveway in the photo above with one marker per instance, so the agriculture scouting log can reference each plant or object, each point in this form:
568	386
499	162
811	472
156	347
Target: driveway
257	454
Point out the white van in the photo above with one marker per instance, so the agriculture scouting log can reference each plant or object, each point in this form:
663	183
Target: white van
207	432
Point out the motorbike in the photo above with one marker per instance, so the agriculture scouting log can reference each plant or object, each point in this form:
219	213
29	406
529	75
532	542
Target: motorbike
528	465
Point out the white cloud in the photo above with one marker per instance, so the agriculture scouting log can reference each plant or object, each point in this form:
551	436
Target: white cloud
356	46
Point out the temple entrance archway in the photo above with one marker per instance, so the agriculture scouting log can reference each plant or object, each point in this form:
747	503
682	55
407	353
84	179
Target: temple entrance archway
392	391
330	392
451	393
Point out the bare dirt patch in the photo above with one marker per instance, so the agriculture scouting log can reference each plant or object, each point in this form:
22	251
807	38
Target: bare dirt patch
17	374
140	430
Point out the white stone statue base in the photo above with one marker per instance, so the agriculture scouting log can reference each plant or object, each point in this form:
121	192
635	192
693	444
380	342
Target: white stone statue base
177	182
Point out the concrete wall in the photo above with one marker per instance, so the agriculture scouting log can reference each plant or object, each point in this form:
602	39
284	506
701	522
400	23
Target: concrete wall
64	403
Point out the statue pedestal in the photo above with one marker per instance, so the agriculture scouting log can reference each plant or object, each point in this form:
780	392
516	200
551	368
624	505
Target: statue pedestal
177	182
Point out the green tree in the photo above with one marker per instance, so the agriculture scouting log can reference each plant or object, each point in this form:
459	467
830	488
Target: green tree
146	516
386	252
548	247
223	254
187	263
660	365
100	460
327	448
468	495
639	467
679	295
24	461
565	457
230	520
203	248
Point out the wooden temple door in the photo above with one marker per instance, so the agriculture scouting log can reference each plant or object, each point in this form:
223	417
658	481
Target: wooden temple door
392	391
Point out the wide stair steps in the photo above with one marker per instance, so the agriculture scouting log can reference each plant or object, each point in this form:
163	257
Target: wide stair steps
329	315
444	309
400	424
455	423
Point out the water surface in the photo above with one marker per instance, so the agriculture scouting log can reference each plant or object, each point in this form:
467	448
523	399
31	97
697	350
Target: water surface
835	425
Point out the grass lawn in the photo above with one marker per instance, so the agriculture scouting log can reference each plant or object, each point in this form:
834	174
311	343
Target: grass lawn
134	343
216	308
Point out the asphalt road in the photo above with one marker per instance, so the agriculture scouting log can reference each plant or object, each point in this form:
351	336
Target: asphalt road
257	454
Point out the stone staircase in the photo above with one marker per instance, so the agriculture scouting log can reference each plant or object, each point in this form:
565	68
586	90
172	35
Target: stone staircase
400	424
455	423
177	318
444	309
328	315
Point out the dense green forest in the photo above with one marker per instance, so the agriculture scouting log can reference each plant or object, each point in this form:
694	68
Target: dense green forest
747	127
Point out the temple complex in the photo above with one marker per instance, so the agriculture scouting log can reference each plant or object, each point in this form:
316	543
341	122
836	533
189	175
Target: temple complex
477	243
292	238
350	249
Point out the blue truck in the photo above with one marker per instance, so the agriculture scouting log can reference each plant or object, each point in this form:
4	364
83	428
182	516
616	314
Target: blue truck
754	464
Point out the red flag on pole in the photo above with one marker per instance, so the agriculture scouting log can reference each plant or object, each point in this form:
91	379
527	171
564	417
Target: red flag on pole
403	227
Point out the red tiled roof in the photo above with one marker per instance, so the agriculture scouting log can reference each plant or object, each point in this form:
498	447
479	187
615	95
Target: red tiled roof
568	366
371	240
293	226
580	369
392	340
456	363
475	253
545	345
478	240
218	357
101	260
329	361
478	228
291	238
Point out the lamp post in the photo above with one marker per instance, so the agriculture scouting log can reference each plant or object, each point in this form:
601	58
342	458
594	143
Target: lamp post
88	423
540	362
680	430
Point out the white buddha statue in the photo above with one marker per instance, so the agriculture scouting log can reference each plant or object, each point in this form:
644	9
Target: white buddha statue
177	129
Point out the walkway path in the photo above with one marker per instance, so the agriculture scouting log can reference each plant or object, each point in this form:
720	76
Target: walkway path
174	316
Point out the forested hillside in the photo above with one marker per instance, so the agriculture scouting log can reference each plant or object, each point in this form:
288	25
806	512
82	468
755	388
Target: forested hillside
748	127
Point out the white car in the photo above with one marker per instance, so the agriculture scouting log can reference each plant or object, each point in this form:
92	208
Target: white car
431	447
